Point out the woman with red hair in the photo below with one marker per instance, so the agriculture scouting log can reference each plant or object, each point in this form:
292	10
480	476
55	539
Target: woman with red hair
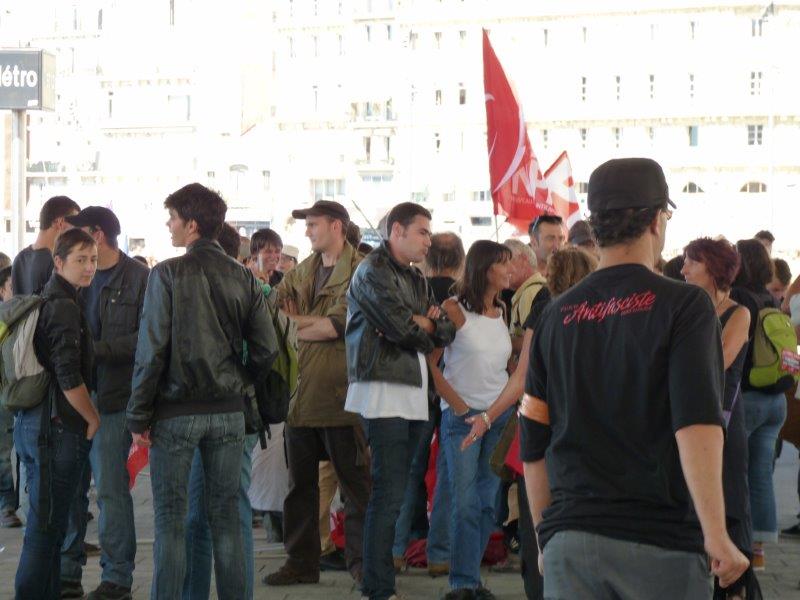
713	266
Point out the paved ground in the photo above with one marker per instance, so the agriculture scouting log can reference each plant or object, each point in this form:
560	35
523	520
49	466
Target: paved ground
779	581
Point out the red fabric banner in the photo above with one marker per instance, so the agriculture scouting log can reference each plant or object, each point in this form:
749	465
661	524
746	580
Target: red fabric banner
519	191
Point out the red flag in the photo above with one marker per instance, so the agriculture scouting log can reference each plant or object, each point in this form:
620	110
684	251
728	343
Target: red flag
138	457
518	189
562	190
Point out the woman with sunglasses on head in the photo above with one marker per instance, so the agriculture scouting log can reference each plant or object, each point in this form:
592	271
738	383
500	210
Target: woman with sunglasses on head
474	374
713	265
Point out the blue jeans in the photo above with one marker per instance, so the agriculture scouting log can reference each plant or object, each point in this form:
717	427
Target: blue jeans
393	443
8	499
38	573
473	488
763	416
197	584
109	459
73	554
220	438
438	544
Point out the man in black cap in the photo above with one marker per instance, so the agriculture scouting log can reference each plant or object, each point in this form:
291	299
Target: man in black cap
313	295
113	304
622	415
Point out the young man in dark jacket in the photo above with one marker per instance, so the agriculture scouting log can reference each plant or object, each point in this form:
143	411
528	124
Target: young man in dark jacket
189	386
393	323
113	304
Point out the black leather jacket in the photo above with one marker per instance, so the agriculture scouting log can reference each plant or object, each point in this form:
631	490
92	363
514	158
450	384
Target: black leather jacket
381	337
185	363
63	345
120	306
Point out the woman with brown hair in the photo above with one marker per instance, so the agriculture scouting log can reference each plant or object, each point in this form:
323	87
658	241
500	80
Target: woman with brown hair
565	268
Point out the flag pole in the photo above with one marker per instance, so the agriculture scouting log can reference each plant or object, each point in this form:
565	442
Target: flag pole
496	229
361	212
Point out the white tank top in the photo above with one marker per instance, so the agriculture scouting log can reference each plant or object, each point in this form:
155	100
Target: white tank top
475	363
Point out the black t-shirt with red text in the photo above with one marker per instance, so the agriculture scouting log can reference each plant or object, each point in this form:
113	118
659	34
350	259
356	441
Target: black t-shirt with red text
618	364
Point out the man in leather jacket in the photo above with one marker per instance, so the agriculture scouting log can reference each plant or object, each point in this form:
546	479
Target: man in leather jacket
393	322
113	305
189	386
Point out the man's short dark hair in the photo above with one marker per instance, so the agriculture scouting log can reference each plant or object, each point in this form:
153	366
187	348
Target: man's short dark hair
228	238
764	235
56	208
353	234
673	268
533	228
264	237
195	202
620	225
446	253
403	214
755	271
70	240
782	271
5	273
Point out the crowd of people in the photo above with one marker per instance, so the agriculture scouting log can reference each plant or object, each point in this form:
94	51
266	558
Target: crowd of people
618	427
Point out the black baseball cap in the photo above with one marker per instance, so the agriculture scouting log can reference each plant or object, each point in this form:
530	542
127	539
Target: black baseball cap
323	208
628	183
99	217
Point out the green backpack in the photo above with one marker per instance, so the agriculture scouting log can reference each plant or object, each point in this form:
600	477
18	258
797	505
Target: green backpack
24	382
776	364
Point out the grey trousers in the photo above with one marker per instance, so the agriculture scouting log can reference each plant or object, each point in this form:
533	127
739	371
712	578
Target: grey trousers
580	565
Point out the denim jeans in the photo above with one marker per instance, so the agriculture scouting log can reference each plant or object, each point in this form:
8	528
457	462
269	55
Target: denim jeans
438	543
8	500
197	584
393	443
109	458
73	555
38	573
763	416
473	488
220	438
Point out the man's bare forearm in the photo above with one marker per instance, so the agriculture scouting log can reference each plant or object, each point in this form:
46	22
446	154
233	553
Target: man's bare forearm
700	449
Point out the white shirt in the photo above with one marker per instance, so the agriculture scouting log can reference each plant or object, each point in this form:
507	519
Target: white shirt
383	399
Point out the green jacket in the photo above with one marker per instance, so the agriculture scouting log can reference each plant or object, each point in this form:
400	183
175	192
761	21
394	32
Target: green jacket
322	384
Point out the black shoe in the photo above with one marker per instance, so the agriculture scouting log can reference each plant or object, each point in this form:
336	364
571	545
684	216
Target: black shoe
110	591
9	519
333	561
71	589
91	549
483	594
461	594
793	531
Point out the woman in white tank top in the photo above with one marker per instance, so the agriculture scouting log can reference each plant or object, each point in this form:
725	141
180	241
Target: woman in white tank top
475	373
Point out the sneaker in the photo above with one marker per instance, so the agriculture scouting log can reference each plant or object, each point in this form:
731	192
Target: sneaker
91	549
438	569
71	589
110	591
9	519
461	594
333	561
286	575
510	564
793	531
484	594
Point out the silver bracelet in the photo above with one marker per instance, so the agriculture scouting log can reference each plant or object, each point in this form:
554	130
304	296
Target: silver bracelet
485	417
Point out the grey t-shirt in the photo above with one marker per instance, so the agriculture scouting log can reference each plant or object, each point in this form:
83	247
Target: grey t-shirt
31	270
321	278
